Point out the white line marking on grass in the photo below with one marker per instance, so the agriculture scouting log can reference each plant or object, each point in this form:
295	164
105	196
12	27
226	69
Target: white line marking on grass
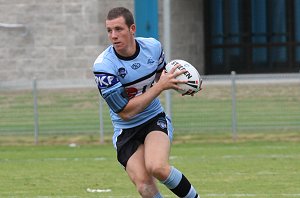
252	195
98	190
57	196
172	157
73	159
269	156
99	158
54	159
231	195
280	156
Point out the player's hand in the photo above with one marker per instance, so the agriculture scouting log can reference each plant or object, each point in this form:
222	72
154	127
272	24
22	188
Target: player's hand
191	93
168	80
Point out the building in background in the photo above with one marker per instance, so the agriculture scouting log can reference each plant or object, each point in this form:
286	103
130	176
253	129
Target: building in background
61	39
252	36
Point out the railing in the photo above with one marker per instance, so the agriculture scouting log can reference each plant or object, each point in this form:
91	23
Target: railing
228	104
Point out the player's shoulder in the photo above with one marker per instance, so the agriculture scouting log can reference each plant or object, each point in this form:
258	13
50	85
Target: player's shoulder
148	42
104	62
105	56
104	70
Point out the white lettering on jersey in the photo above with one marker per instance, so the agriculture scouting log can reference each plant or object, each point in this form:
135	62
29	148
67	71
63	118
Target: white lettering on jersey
105	80
140	87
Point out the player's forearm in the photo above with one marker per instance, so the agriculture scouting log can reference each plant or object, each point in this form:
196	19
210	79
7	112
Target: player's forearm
139	103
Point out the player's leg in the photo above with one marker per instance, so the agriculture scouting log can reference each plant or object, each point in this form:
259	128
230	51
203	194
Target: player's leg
157	149
138	174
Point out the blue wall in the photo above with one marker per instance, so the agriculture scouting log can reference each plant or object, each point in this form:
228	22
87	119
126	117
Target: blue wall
146	18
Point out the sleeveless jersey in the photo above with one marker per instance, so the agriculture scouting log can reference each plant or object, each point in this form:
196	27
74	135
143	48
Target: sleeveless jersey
136	73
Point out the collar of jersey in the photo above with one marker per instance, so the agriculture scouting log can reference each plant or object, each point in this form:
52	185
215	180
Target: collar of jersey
129	57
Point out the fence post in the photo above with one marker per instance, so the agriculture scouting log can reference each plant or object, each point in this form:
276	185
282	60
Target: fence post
36	114
168	103
233	103
167	47
101	121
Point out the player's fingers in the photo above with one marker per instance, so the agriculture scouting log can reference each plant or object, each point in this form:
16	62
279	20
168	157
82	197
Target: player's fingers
173	69
163	73
176	87
200	87
178	73
180	81
188	93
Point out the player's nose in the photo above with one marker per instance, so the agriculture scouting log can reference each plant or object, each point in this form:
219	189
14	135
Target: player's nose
114	34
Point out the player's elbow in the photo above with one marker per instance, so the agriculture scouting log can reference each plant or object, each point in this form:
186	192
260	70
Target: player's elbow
124	115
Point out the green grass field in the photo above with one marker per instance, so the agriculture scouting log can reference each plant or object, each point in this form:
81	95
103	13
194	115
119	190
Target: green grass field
260	169
264	162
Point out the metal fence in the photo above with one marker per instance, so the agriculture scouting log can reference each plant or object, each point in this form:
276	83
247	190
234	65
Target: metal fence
228	104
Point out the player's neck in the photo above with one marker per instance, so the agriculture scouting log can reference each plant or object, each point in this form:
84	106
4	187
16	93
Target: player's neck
131	53
131	48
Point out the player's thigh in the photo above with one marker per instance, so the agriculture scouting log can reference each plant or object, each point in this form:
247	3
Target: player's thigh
157	151
136	168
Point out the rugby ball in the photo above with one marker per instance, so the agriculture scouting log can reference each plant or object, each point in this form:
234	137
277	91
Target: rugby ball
191	75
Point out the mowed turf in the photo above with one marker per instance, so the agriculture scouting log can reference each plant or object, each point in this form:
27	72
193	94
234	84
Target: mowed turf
261	169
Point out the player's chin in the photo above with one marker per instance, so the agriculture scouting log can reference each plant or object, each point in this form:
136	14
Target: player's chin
118	46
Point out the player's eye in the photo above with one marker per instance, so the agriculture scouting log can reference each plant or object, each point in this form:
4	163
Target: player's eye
118	29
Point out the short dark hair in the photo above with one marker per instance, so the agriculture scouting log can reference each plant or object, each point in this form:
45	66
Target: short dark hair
121	11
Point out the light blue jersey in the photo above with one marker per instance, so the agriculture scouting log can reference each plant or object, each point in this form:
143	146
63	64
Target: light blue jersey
136	73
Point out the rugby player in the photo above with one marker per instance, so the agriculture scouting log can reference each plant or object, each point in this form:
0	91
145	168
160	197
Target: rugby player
130	76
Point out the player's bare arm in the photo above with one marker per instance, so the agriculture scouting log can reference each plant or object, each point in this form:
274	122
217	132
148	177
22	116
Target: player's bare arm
139	103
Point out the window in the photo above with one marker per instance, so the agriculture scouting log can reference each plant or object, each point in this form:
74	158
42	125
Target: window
252	36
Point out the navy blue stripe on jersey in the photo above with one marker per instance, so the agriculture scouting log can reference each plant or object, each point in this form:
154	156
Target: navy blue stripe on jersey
161	58
140	79
130	57
164	67
161	54
103	73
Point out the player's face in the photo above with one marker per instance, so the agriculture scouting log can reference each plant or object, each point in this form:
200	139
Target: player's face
121	36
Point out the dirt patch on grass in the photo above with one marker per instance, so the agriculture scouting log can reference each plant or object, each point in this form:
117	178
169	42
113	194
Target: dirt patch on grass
180	139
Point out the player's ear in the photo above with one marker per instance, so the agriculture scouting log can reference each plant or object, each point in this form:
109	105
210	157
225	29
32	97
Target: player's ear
132	29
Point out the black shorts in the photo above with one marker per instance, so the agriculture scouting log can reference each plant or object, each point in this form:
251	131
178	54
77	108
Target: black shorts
130	139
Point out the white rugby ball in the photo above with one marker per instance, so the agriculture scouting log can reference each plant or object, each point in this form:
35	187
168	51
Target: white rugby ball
191	75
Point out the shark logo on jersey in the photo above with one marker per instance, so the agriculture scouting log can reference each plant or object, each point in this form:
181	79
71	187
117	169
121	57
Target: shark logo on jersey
150	60
135	65
122	72
162	123
104	80
161	58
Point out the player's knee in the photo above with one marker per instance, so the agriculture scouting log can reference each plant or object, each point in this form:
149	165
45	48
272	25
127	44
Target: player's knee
140	187
159	171
145	187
